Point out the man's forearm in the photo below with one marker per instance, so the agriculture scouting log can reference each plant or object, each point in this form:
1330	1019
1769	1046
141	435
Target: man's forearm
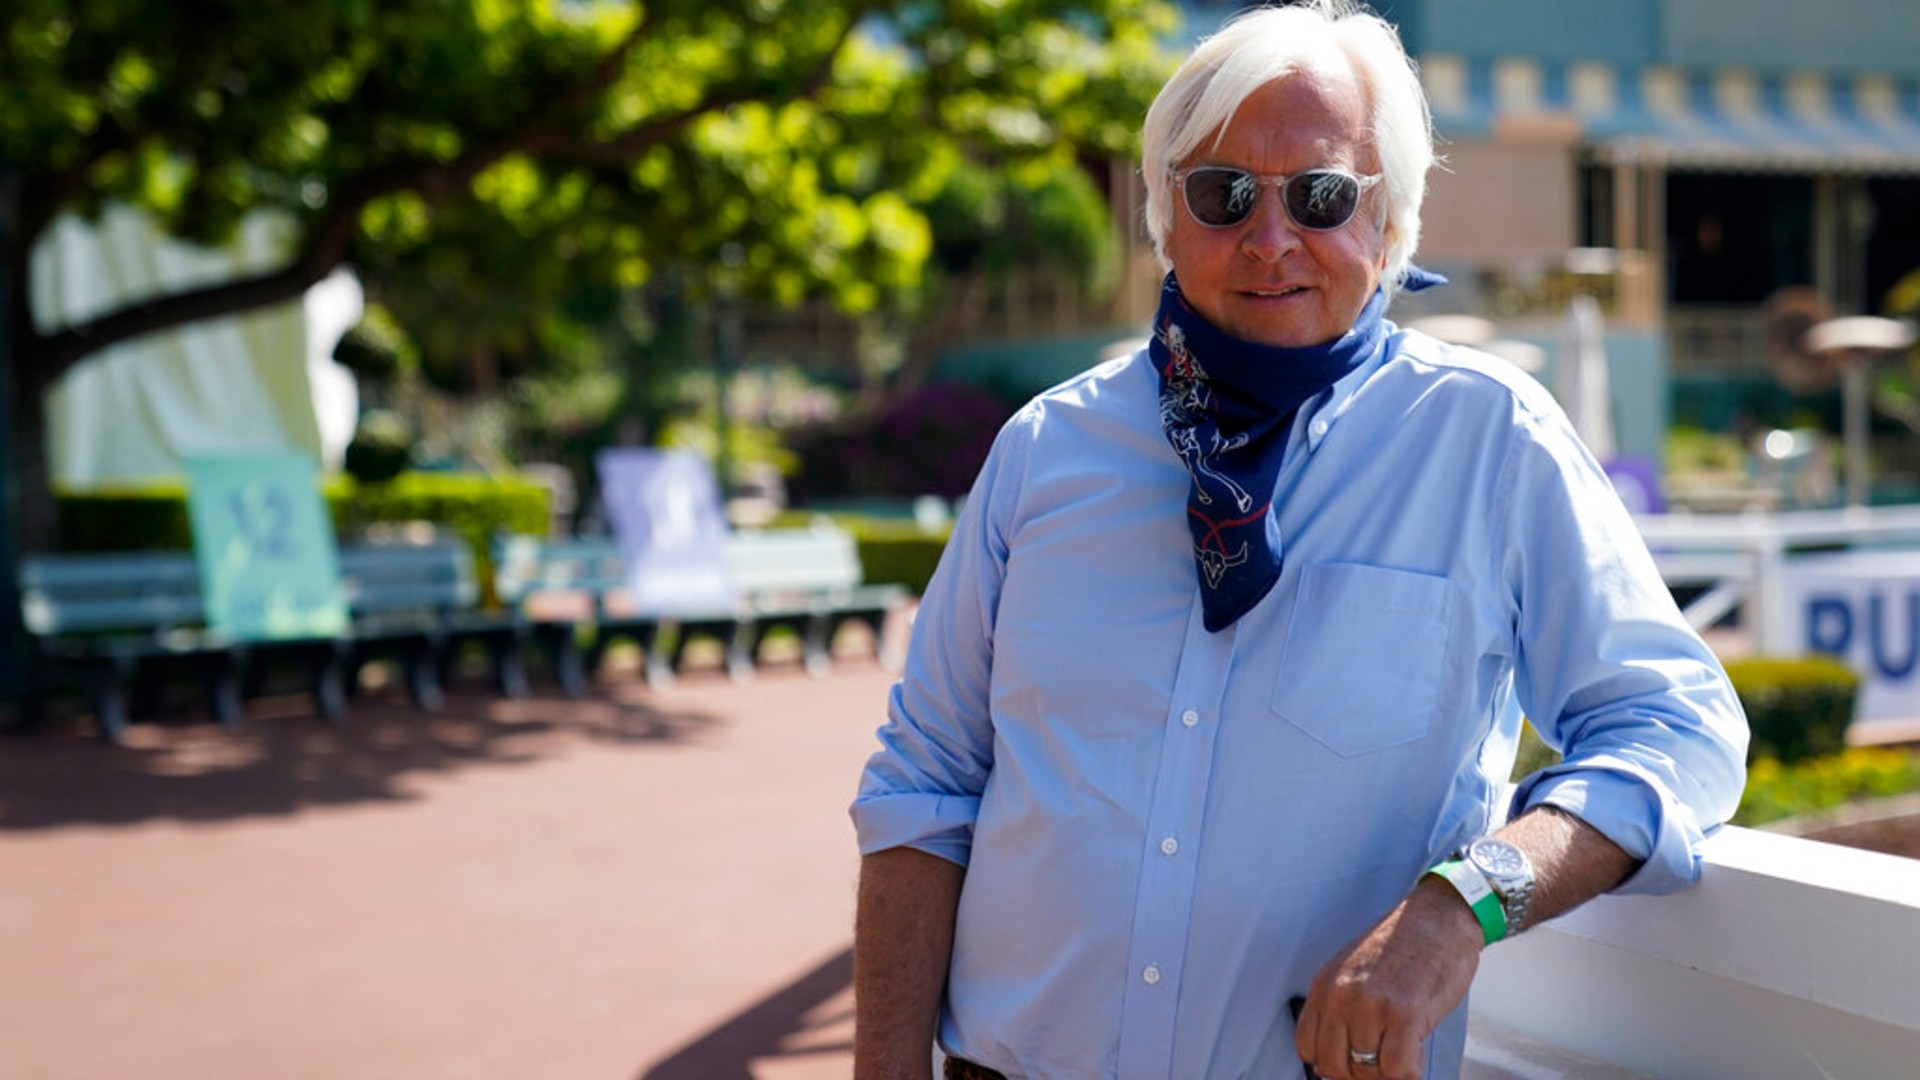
1573	862
902	944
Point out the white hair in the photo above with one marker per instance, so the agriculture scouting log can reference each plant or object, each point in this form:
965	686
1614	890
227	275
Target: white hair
1260	46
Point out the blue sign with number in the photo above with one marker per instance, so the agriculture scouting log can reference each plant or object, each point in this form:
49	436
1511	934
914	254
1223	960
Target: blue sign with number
268	568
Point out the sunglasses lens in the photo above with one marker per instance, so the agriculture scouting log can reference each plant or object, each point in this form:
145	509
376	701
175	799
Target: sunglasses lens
1221	197
1321	200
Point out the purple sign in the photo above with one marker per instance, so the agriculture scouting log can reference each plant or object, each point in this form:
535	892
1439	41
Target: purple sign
667	519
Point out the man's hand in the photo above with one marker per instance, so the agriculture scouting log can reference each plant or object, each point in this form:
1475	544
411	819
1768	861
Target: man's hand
1386	992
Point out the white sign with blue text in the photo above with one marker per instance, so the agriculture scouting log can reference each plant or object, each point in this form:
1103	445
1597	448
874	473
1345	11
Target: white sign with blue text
1864	607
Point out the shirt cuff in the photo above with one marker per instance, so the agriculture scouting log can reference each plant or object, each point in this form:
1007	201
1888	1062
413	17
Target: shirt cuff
1628	808
1624	811
934	822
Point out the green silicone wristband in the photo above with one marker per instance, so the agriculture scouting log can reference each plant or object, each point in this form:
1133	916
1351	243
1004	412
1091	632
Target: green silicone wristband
1479	896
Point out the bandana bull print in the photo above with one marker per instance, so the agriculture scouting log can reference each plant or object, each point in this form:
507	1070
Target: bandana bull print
1226	406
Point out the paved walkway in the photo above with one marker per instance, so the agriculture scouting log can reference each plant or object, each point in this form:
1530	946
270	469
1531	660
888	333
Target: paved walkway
640	886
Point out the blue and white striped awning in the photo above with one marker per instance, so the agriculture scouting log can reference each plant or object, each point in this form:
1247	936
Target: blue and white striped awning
1724	120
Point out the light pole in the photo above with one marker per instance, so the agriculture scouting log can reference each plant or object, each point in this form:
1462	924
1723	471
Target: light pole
726	358
1856	342
11	638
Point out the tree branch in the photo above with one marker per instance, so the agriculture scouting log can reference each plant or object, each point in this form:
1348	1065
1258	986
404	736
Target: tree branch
57	351
330	238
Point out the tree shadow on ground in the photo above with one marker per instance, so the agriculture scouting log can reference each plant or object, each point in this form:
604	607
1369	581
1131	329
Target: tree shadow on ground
284	759
811	1015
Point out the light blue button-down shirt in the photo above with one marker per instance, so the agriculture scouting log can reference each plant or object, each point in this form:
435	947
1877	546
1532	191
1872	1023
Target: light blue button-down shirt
1168	831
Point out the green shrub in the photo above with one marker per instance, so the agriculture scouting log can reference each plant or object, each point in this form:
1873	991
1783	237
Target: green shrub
382	447
146	518
900	552
892	551
1796	708
470	506
1803	705
1778	790
1533	754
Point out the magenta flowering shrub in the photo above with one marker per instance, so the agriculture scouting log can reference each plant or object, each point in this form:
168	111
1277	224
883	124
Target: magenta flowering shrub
926	441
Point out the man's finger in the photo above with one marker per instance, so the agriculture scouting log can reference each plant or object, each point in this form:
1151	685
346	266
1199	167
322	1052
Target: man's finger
1401	1055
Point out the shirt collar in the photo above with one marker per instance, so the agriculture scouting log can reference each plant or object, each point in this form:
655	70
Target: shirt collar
1320	413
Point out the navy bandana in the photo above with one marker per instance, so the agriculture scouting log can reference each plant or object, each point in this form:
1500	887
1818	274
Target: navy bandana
1226	406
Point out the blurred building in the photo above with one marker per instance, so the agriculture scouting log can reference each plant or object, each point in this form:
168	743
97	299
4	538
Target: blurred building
1727	150
1718	174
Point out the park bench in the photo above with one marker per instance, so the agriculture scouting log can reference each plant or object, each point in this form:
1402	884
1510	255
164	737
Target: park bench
807	580
105	622
116	624
420	604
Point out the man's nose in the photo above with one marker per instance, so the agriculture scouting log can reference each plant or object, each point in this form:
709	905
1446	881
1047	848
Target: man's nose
1270	234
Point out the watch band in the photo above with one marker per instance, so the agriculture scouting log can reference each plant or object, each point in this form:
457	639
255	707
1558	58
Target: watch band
1479	895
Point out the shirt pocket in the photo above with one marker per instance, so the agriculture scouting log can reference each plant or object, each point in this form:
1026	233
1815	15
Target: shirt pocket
1365	656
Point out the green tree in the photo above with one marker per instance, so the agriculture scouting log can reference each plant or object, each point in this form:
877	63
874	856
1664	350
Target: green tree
522	147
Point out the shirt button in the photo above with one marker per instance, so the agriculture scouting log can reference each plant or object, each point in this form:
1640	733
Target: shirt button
1189	718
1318	428
1151	975
1169	846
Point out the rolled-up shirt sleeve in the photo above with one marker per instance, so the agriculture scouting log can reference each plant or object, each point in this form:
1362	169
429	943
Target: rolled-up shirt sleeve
1609	672
921	789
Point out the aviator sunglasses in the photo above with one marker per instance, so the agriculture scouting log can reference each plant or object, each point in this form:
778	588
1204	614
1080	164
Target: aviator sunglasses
1317	200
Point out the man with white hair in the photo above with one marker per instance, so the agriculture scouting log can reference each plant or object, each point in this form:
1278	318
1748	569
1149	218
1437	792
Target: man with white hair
1210	705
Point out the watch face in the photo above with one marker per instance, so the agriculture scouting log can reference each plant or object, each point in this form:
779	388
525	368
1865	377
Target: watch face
1498	858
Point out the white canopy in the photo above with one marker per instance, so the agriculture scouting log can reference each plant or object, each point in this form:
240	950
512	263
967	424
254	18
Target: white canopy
262	380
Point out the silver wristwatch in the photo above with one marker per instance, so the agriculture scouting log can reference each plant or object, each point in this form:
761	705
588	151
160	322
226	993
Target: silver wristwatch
1510	874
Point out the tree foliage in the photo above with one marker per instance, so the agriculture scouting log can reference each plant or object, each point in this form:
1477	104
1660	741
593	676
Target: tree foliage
544	142
483	159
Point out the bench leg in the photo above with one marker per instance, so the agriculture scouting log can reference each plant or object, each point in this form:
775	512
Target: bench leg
743	646
816	645
563	652
656	664
107	690
423	684
510	663
223	687
330	680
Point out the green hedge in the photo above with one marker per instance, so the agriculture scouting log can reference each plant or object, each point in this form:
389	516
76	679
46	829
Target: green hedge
1799	763
471	506
892	551
897	552
1777	789
1797	708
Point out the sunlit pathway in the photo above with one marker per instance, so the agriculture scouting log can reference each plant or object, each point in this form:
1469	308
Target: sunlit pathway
639	885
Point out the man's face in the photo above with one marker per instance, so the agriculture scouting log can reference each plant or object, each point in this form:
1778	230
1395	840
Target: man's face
1267	280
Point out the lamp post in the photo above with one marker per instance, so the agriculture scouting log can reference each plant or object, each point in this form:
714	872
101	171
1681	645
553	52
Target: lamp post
726	358
11	642
1856	342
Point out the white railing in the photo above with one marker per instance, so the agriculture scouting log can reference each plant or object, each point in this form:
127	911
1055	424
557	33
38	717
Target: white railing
1742	558
1792	959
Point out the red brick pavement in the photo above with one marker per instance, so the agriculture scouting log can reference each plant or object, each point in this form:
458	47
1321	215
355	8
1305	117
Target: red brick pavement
640	886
